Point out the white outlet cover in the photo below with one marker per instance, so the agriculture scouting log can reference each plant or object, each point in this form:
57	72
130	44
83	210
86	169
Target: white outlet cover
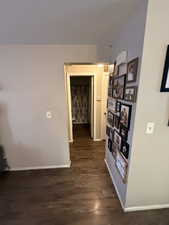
48	115
150	128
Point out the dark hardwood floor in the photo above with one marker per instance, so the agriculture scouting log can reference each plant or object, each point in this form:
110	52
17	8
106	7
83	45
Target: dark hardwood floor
81	195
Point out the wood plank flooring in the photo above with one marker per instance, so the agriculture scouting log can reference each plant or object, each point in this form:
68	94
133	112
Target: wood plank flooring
81	195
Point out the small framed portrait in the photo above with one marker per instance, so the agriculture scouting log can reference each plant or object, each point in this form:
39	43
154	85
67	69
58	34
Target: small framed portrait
110	118
109	145
165	79
125	115
117	140
118	106
130	94
122	166
125	149
132	69
112	104
119	83
124	133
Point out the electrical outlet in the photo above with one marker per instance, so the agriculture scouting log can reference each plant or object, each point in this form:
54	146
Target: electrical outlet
48	115
150	128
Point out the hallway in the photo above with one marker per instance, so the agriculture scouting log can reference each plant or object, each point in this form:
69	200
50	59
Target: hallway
81	131
81	195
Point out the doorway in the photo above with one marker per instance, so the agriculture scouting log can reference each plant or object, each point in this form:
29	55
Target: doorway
81	97
82	106
96	78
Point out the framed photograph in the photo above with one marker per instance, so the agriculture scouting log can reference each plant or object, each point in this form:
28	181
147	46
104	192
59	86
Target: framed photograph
117	140
119	83
165	79
116	122
122	166
118	106
112	104
125	149
109	144
110	118
122	69
130	94
132	69
125	115
124	132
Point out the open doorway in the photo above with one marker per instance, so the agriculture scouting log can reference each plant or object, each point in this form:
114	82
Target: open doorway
81	88
81	104
87	83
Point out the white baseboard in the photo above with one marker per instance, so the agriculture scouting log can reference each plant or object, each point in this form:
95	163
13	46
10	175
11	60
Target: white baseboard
97	139
41	167
118	194
148	207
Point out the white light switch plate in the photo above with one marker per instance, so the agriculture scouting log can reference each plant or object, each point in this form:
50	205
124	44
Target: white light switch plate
150	128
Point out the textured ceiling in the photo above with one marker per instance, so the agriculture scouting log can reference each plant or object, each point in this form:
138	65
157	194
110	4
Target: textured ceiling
62	21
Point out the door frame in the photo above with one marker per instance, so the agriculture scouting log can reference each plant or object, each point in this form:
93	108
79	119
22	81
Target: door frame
105	80
69	102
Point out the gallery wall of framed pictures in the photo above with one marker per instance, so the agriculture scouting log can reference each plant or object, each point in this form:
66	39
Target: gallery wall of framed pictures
122	95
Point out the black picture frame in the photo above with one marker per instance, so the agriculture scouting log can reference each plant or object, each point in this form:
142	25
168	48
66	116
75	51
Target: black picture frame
130	97
118	90
165	78
111	104
132	69
117	140
125	147
125	110
124	132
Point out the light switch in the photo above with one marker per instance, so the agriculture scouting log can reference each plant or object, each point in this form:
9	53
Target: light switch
48	115
150	128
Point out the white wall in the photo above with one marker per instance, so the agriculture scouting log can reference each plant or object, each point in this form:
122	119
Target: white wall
148	183
31	83
130	39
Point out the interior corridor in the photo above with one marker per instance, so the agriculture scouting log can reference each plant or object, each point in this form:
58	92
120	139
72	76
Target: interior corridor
81	131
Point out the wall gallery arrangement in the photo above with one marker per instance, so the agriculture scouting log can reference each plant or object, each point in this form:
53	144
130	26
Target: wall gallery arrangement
121	97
